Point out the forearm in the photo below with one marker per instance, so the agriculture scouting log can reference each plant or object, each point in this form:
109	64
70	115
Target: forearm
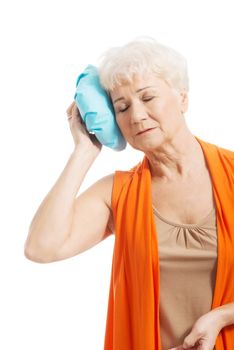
52	221
225	314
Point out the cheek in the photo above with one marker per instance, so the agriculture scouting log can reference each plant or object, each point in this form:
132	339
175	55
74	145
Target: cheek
117	121
121	123
169	108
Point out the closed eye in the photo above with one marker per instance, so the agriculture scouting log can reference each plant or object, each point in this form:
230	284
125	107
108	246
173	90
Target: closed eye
123	110
145	99
148	98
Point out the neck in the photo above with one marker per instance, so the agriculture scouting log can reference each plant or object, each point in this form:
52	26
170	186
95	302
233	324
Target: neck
177	158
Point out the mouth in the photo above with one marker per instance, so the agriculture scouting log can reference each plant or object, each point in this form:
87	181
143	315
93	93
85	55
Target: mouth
145	131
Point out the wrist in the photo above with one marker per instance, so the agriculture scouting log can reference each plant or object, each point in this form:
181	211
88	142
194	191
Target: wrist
85	151
224	315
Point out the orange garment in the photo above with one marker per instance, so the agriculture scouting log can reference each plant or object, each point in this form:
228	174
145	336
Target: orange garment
133	307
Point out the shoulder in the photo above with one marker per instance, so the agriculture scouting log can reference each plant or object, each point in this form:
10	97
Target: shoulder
104	188
224	154
113	182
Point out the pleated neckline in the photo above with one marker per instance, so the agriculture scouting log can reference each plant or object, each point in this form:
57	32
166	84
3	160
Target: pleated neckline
170	222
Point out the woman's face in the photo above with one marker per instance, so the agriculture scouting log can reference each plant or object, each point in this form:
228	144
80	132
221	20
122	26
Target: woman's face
148	111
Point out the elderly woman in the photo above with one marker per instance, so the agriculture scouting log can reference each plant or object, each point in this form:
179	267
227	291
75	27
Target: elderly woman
172	282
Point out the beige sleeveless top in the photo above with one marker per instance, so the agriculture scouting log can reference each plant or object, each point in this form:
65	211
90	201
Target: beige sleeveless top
188	262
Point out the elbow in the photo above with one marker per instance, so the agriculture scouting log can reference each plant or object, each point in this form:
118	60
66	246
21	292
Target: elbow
36	254
30	254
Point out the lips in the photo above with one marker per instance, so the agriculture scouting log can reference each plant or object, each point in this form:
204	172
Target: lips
143	131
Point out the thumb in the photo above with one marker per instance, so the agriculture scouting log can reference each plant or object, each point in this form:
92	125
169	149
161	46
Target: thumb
190	340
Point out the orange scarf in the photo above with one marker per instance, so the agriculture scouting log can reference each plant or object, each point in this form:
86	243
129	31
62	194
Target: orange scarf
133	307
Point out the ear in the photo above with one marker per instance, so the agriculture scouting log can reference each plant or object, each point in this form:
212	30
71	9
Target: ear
184	101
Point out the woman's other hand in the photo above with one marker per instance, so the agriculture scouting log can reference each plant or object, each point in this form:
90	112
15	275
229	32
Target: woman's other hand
203	334
80	134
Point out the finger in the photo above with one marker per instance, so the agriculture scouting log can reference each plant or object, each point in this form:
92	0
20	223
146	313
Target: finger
191	340
69	110
182	348
73	113
75	110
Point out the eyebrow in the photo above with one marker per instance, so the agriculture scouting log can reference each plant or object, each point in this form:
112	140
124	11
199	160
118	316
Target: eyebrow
122	98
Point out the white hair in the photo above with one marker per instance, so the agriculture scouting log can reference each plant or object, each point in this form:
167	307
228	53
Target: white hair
142	55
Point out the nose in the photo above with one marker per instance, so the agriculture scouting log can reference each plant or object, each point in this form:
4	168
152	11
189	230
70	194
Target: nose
137	112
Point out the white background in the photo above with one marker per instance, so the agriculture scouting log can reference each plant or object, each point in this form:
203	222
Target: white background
44	46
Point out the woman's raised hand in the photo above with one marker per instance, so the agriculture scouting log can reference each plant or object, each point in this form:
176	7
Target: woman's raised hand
82	138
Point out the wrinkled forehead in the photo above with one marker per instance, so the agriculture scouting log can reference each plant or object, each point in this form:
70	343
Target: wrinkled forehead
138	83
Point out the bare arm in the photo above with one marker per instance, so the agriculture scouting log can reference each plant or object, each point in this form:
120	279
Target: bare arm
63	224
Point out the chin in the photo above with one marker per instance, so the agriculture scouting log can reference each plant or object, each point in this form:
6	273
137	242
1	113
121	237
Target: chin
147	147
